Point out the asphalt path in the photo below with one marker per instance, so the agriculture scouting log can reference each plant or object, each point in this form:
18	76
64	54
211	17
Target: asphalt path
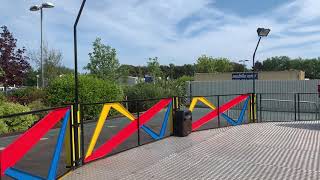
37	160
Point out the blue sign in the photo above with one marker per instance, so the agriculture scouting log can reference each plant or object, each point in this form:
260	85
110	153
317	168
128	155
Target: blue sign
148	79
244	76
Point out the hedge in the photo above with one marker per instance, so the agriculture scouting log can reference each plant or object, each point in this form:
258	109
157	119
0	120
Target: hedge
146	91
19	123
27	95
91	90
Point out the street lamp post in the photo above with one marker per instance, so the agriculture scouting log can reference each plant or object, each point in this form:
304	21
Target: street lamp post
37	8
78	161
262	32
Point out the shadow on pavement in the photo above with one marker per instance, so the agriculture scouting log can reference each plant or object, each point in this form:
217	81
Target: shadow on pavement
307	125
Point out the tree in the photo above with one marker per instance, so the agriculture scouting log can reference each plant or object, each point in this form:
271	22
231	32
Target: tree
281	63
165	71
154	67
103	61
31	78
52	64
1	72
207	64
258	66
236	67
13	61
278	63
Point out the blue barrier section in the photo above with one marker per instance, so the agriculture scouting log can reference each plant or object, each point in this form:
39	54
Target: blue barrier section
55	160
240	119
153	134
18	174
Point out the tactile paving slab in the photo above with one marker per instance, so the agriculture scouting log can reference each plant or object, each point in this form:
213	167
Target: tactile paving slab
278	150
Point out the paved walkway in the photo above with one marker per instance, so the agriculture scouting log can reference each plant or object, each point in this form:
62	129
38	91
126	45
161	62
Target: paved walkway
285	150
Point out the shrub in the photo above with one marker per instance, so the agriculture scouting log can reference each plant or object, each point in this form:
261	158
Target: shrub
146	91
179	86
2	98
91	90
26	95
36	105
3	127
19	123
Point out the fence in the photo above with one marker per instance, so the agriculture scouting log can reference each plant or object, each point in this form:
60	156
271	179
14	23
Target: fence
106	128
23	154
205	88
287	106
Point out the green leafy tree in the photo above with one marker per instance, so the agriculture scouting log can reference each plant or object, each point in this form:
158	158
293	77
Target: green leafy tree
52	65
165	71
207	64
103	61
258	66
280	63
31	78
236	67
154	68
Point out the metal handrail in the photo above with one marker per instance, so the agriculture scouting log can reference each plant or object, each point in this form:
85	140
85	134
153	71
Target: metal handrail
31	112
280	100
316	105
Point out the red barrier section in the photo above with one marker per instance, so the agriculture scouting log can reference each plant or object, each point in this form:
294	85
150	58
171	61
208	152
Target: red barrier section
16	150
1	164
222	109
127	131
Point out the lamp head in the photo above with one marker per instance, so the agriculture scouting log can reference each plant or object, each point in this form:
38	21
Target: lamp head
47	5
34	8
262	32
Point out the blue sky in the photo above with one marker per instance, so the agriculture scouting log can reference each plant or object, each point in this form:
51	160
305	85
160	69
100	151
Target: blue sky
176	31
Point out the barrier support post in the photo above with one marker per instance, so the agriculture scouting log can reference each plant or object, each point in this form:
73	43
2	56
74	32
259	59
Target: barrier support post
138	114
69	145
219	123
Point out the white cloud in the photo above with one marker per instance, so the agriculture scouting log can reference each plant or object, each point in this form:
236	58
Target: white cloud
178	30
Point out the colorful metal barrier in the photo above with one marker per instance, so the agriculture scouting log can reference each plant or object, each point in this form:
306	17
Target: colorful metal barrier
220	110
128	130
74	144
15	151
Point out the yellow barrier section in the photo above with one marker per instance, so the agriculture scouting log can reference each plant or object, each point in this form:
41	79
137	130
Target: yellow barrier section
100	123
203	100
104	113
251	110
69	140
79	132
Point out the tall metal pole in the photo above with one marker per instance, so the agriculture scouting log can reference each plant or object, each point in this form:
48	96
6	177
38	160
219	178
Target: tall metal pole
254	80
41	57
76	53
76	84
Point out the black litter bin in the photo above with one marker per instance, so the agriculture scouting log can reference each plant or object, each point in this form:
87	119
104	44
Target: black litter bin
182	123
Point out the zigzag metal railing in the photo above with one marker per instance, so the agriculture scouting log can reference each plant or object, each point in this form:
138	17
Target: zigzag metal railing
128	130
28	139
220	110
15	151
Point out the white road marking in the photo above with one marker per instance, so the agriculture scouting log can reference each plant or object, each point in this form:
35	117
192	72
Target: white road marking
111	126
